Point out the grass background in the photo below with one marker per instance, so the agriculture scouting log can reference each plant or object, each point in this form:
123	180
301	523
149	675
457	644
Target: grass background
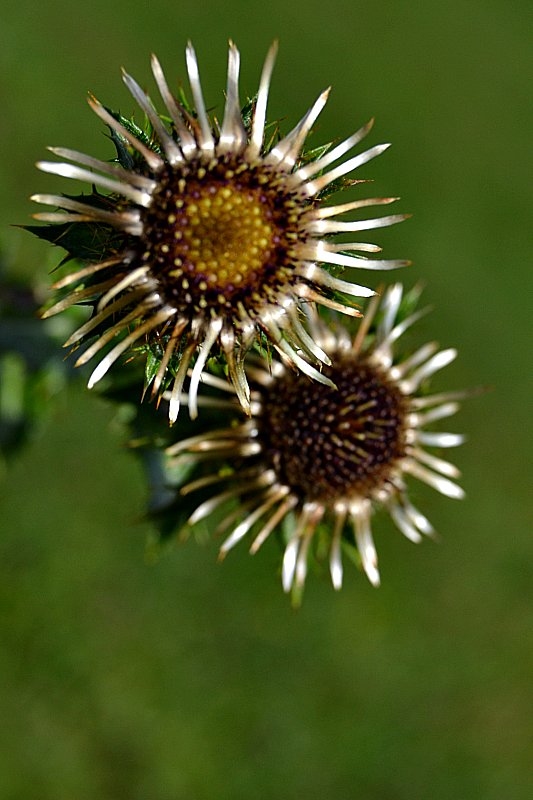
190	680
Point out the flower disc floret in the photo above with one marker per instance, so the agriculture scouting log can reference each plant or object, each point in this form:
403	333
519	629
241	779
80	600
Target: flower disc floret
328	444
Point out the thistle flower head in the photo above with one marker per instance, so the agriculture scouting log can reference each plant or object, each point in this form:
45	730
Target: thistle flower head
316	462
217	234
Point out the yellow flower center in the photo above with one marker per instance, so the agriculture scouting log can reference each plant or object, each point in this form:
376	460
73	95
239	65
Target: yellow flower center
226	236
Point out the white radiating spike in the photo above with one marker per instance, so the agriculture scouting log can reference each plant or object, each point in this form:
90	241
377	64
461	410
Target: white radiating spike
173	341
365	542
439	412
364	327
206	508
300	570
181	374
306	340
211	446
315	514
285	153
203	510
258	124
438	464
111	357
325	254
213	479
313	187
168	144
415	359
307	521
194	443
119	219
126	299
91	269
400	329
436	399
323	278
383	352
283	347
112	169
136	314
310	294
333	155
390	306
228	521
187	141
59	216
335	555
441	484
76	296
80	174
404	524
202	483
362	247
334	211
440	439
245	526
218	383
205	348
358	225
136	276
289	562
236	371
438	361
232	133
417	518
152	159
274	520
207	142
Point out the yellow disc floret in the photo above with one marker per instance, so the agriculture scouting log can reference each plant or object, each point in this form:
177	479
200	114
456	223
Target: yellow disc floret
227	235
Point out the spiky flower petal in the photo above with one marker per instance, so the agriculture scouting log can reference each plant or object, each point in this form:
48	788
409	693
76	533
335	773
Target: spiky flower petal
222	234
312	459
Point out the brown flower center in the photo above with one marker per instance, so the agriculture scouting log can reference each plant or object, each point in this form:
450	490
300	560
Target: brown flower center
221	233
334	444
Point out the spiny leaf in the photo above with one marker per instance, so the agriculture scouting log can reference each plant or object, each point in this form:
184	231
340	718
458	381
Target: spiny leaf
308	156
87	241
247	112
135	130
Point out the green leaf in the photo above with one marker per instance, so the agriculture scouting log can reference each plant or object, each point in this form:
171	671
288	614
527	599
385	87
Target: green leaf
89	241
247	112
31	368
151	367
135	130
308	156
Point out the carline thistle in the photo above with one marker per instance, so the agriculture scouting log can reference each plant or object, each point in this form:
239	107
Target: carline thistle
222	236
313	463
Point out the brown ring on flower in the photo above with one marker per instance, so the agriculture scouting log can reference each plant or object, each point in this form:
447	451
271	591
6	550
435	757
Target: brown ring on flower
220	234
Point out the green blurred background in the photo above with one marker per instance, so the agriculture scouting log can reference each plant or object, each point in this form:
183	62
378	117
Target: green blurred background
190	680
